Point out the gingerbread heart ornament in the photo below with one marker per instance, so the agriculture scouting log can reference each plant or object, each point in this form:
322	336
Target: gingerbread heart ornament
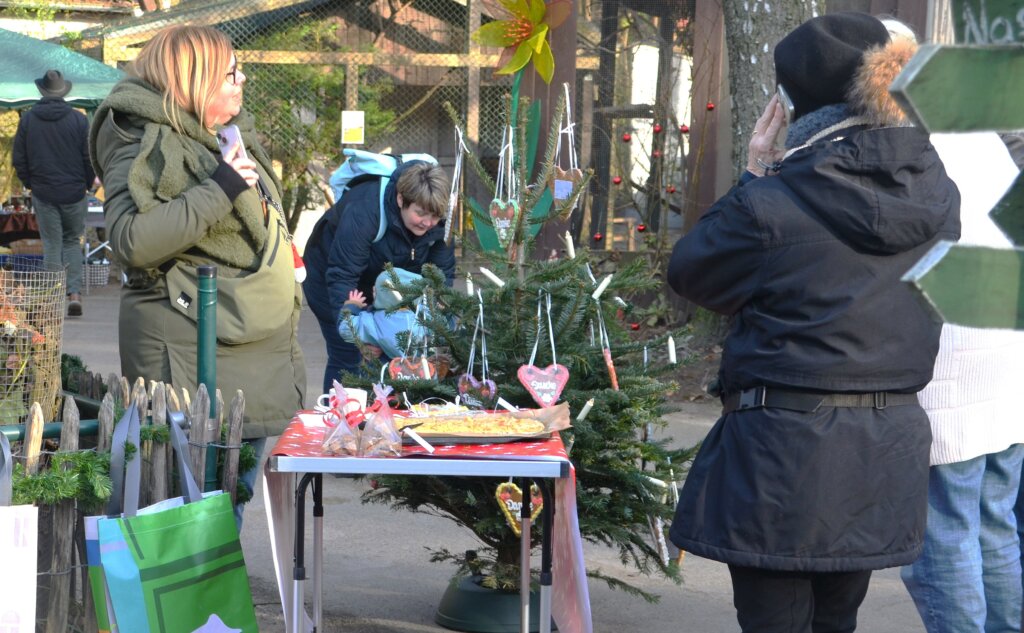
545	385
563	181
477	393
504	216
510	498
412	368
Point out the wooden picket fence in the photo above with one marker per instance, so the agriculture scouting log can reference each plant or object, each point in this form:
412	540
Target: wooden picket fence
64	600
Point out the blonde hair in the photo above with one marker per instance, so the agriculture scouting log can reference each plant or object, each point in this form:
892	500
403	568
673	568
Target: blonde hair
187	64
426	185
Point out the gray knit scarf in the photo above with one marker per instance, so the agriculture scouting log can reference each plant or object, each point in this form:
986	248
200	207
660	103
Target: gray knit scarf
801	130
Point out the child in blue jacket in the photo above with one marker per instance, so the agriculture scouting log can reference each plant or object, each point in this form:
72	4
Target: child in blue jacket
380	326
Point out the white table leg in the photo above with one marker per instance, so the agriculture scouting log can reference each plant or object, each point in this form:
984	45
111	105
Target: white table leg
298	607
524	569
318	572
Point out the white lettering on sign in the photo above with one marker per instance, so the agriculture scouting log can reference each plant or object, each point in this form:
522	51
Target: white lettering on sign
536	384
979	29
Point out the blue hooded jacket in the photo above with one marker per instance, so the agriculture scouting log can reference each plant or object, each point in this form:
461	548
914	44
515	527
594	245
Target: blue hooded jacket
341	255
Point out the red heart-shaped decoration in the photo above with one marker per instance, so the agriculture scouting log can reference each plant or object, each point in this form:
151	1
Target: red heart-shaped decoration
477	392
545	385
412	368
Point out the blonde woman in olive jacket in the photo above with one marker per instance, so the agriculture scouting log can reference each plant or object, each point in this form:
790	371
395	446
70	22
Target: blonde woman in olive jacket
173	204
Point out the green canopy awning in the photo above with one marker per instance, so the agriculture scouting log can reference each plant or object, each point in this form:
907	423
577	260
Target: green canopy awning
25	59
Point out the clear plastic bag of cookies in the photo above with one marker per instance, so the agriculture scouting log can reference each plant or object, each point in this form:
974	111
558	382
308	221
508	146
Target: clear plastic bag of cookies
379	437
340	438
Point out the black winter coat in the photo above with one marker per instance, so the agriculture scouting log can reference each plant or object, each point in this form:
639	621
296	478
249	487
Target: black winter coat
346	258
51	152
808	263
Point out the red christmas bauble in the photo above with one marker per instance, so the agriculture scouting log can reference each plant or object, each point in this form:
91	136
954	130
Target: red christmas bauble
617	180
626	137
657	128
597	237
670	188
711	106
634	326
641	227
656	153
684	128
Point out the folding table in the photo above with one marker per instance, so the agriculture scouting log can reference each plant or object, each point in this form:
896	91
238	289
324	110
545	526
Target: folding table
297	455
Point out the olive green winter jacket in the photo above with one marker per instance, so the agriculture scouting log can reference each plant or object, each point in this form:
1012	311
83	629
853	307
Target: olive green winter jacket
171	205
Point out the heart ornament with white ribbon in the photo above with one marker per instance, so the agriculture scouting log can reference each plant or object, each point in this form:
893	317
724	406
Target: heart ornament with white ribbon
478	393
504	215
545	385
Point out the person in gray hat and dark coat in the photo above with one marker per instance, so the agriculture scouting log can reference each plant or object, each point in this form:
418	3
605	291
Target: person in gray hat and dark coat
51	157
817	472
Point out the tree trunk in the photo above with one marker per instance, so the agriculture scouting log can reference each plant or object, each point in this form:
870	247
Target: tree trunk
752	27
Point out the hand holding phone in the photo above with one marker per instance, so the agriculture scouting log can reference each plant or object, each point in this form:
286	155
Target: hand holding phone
763	152
227	138
788	109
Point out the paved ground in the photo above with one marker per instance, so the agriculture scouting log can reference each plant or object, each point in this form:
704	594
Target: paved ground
379	579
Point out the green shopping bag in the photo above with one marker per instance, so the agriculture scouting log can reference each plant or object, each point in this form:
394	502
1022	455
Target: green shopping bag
178	569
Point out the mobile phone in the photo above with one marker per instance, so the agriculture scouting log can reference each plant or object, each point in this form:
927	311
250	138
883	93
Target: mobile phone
226	139
787	104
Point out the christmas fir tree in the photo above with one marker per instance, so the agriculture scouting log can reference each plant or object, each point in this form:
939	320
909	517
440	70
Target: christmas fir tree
618	470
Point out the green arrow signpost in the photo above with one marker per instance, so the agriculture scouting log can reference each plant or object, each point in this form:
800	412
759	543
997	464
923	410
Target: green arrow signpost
973	285
1007	212
973	88
963	88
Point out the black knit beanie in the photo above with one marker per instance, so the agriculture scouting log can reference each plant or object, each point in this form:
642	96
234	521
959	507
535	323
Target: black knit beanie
817	61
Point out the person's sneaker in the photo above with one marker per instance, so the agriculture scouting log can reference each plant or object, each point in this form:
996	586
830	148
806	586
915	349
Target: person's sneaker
74	304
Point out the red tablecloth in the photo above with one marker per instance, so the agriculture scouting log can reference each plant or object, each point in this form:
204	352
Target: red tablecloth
303	440
570	604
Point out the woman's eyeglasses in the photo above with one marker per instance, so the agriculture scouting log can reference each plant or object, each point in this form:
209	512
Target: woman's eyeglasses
232	76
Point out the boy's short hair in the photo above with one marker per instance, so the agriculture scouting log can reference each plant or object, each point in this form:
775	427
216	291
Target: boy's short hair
386	297
426	185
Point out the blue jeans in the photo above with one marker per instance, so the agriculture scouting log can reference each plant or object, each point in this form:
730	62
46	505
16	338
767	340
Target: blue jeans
61	227
1018	510
968	578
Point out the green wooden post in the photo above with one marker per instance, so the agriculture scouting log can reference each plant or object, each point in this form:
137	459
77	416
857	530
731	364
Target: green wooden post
206	365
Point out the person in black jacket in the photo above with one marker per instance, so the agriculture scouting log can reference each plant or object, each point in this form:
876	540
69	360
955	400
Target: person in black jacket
817	471
341	254
51	157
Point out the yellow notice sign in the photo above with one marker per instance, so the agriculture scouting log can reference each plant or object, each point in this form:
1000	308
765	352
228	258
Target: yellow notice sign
353	127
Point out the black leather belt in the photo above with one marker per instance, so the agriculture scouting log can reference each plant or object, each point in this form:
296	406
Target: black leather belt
806	401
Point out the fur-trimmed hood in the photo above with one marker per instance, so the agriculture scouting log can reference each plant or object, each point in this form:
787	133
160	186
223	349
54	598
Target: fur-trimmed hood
869	93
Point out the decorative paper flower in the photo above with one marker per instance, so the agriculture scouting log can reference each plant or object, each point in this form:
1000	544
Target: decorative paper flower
524	34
